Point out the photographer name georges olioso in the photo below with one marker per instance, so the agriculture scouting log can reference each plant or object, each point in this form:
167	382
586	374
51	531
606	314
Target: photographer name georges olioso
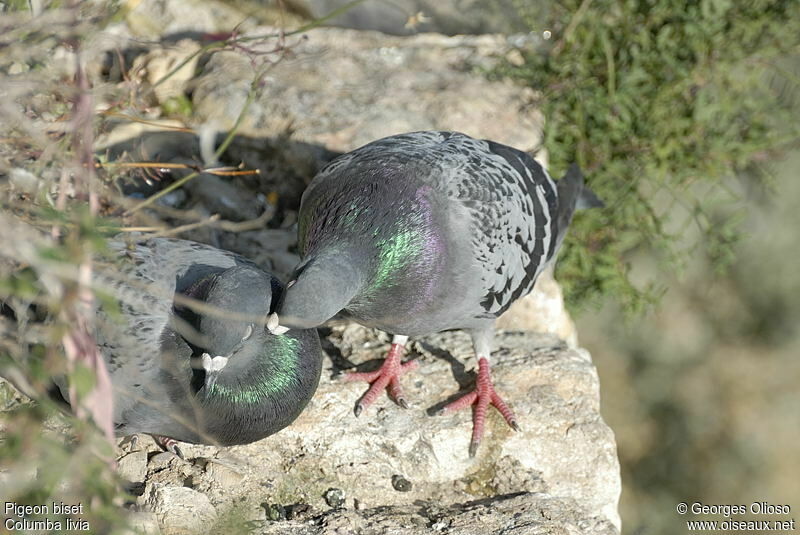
756	508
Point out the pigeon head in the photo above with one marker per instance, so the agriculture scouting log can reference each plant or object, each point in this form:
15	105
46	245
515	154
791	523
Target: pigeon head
232	328
320	287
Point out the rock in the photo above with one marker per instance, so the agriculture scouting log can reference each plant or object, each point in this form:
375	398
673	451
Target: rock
299	511
143	523
162	460
542	311
358	88
23	180
562	464
255	514
526	514
404	17
361	86
559	474
221	197
275	512
155	18
404	470
155	69
224	476
179	510
334	497
133	466
511	476
401	484
220	91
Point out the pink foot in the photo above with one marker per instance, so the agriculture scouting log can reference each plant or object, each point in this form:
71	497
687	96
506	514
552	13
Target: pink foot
387	375
481	397
168	444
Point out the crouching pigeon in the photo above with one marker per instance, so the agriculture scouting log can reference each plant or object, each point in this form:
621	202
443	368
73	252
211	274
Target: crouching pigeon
188	352
423	232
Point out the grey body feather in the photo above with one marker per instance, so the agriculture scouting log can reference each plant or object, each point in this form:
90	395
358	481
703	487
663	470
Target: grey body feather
469	225
152	344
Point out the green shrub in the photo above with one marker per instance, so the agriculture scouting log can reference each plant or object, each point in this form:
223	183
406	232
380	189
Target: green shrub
661	103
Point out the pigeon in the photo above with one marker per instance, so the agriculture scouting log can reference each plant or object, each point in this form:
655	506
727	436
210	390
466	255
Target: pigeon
424	232
187	349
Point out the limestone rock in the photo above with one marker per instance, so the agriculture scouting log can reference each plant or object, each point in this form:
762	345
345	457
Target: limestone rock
527	514
23	180
220	92
564	448
133	466
143	523
156	18
403	17
542	311
343	88
156	68
223	475
223	198
559	474
180	510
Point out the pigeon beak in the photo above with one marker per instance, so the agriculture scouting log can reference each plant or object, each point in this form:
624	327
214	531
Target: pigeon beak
212	366
274	326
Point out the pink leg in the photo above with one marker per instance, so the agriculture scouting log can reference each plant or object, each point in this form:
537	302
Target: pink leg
483	395
386	376
168	444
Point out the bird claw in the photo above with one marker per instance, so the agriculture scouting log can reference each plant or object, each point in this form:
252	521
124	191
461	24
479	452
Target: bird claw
170	445
176	450
385	377
483	396
131	442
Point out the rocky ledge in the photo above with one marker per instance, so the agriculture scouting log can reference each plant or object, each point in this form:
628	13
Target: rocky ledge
391	470
407	471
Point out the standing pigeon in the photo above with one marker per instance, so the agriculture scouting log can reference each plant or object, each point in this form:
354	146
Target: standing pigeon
423	232
204	373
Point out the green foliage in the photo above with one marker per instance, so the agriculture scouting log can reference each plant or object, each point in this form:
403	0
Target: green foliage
69	472
661	103
179	106
42	467
15	5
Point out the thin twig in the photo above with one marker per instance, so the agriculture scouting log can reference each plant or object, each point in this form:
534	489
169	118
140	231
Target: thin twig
153	198
79	344
219	171
184	228
135	119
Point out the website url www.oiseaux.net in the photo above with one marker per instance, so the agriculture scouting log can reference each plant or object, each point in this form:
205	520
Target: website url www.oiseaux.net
740	525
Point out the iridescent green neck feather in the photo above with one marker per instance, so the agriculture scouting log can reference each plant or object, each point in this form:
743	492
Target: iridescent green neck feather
274	370
394	254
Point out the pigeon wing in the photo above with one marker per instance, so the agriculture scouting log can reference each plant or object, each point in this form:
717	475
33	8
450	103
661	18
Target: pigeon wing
510	204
